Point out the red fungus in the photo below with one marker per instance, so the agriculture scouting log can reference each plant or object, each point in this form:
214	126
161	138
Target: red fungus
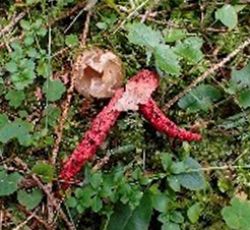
93	138
145	82
160	122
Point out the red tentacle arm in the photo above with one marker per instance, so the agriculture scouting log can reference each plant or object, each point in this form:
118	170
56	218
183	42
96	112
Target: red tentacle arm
160	122
92	140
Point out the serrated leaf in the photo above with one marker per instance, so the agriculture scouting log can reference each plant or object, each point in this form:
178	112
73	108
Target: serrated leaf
227	15
173	34
9	182
29	199
143	35
53	89
192	179
200	98
44	170
190	49
17	129
166	60
236	215
241	77
194	212
15	98
128	219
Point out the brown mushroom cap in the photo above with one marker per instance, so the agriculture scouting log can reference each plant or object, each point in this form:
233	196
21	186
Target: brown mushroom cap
98	73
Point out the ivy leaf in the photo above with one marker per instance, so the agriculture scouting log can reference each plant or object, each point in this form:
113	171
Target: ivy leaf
45	171
15	98
53	89
143	35
236	215
29	199
17	129
241	77
9	182
193	180
227	15
167	60
190	49
194	212
200	98
128	219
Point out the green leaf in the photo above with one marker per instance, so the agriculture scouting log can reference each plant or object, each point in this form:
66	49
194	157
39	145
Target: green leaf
52	114
193	178
29	199
160	202
174	183
190	49
71	40
9	182
177	217
71	202
166	60
244	98
143	35
96	204
241	77
236	215
15	98
128	219
18	129
173	35
194	212
53	89
45	171
96	180
227	15
166	161
170	226
11	67
200	98
3	120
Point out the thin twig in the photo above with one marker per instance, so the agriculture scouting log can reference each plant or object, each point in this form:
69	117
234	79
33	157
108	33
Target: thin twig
86	29
21	225
49	195
13	22
39	219
207	74
67	102
130	15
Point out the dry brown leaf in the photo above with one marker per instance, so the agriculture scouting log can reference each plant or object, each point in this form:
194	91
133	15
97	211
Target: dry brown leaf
98	73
